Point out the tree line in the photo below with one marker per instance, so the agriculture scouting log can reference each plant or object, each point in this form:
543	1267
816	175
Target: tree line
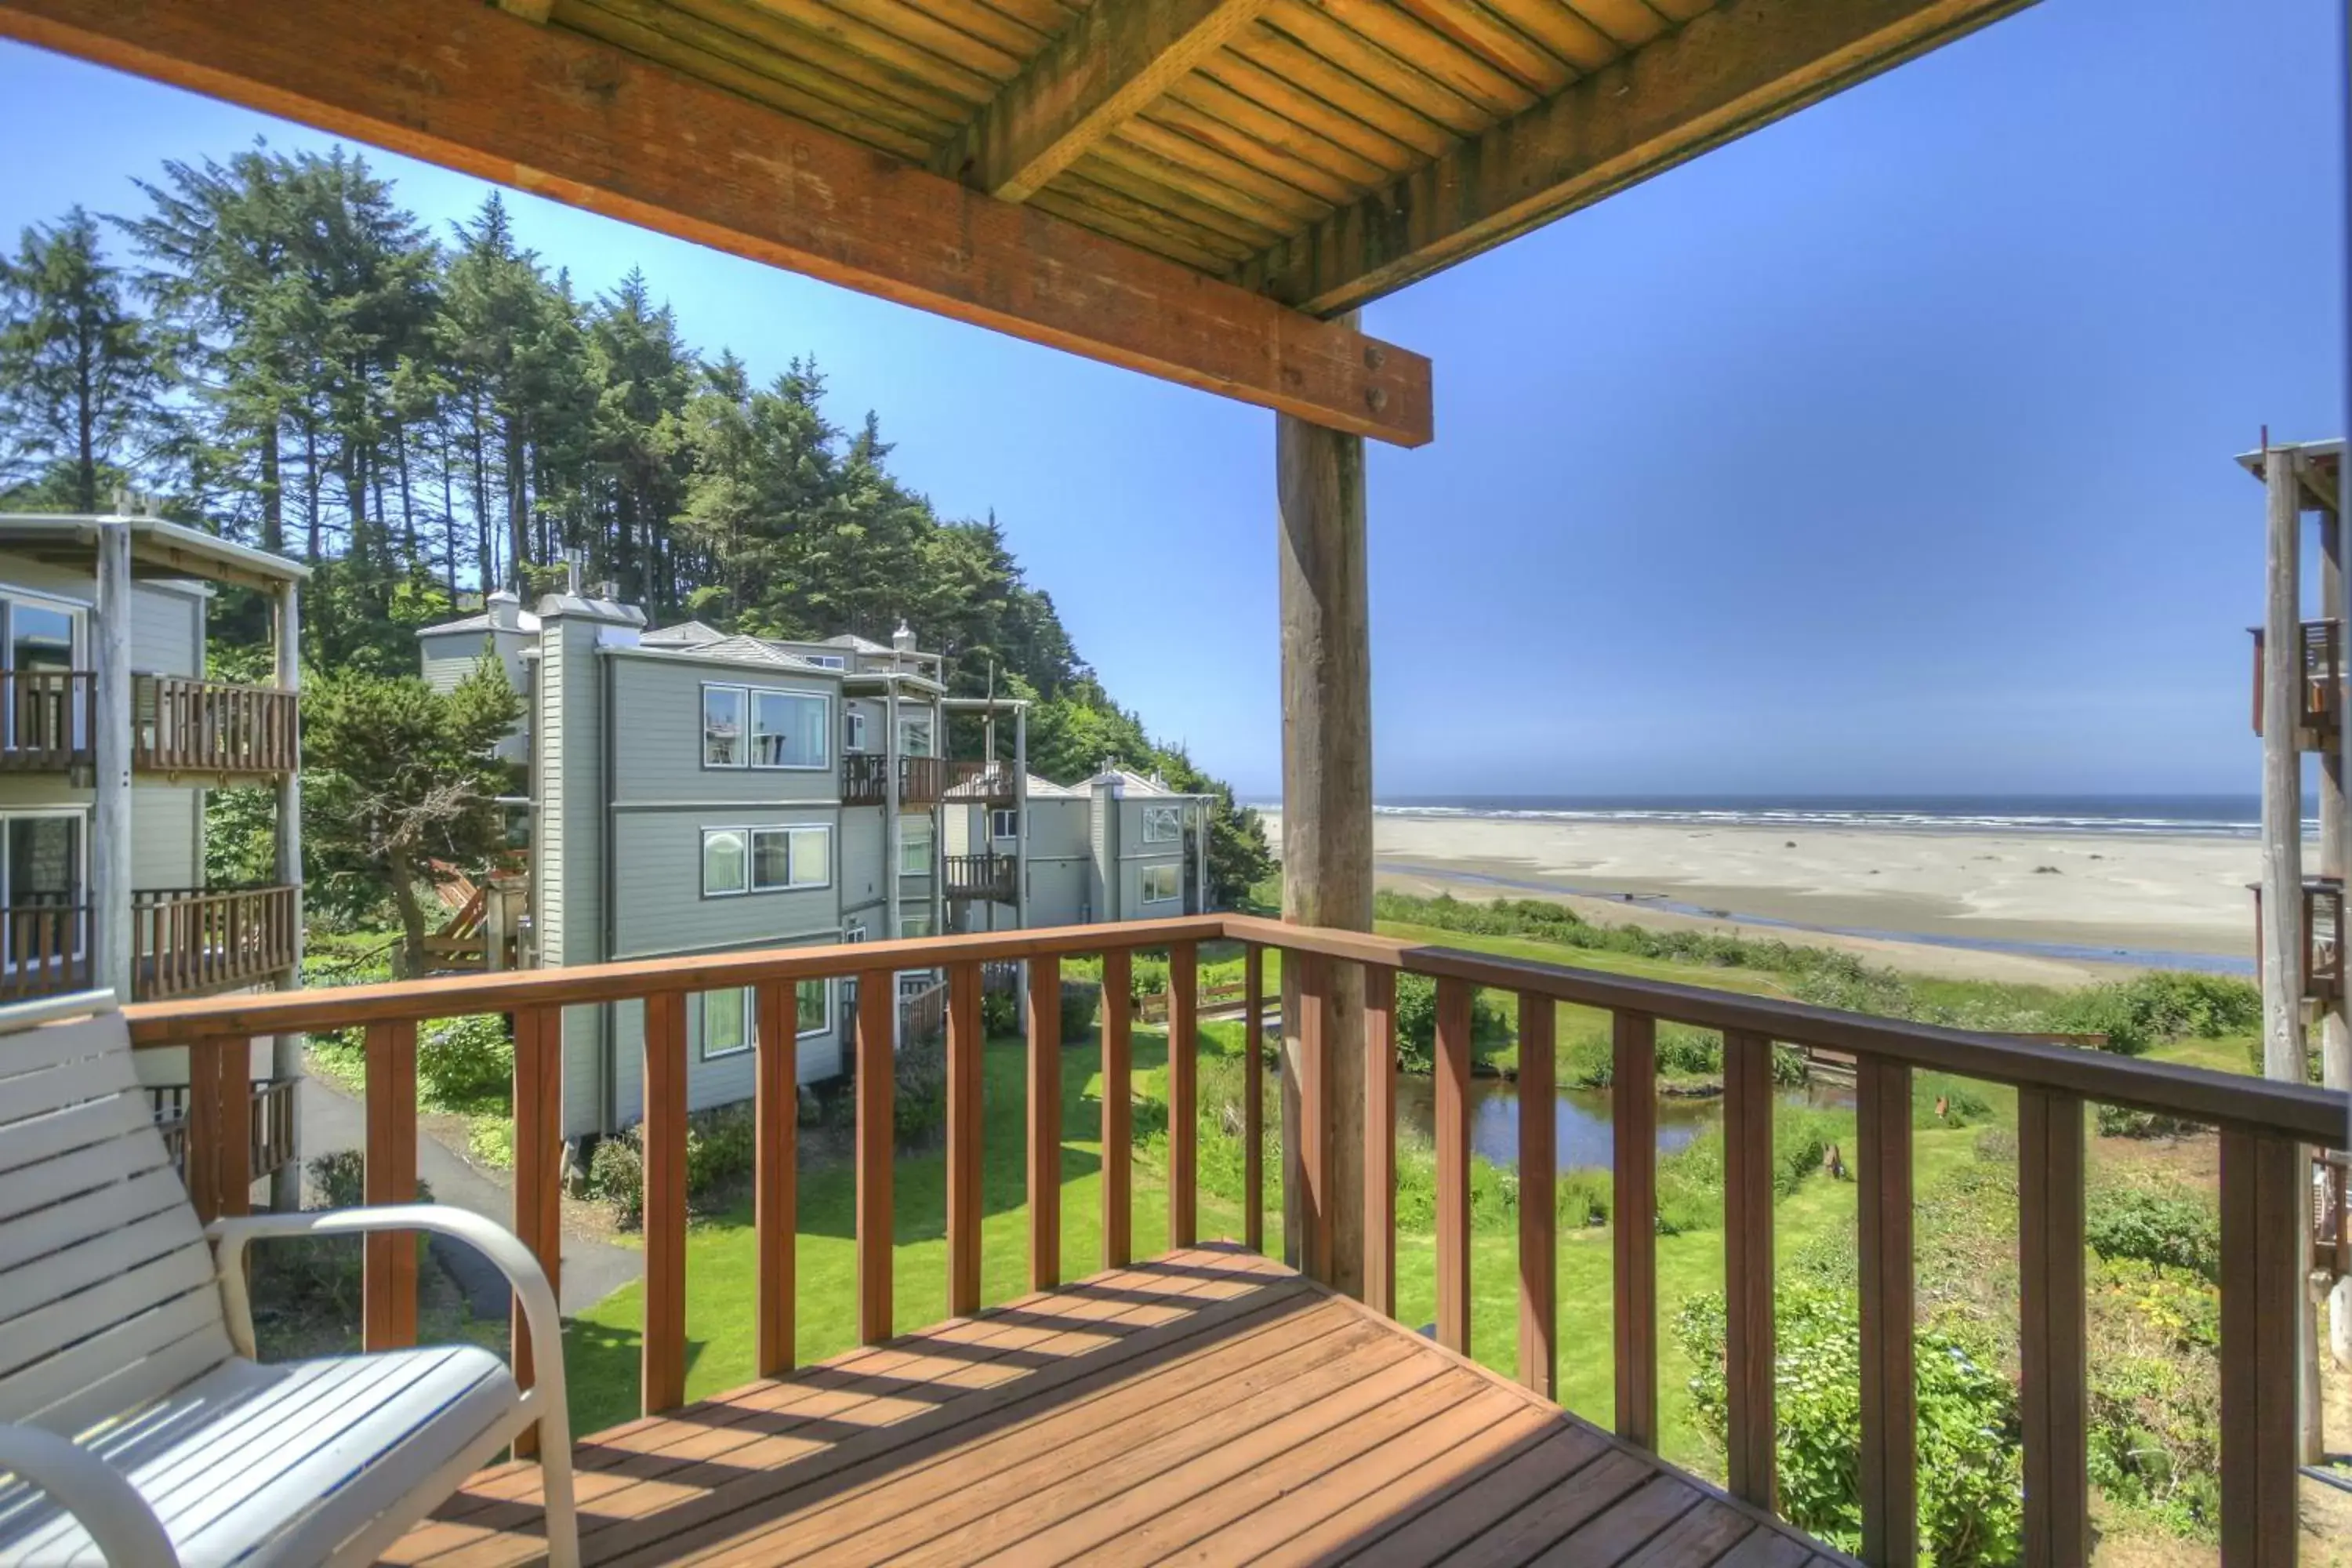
276	350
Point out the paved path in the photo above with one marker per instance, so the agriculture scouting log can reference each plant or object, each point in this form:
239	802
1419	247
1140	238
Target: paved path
593	1269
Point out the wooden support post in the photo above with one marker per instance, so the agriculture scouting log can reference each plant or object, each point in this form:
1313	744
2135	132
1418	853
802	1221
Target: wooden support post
1254	1098
775	1172
1326	789
2054	1334
2265	1248
1538	1217
1633	1232
2281	935
2334	806
1452	1097
1044	1152
1380	1140
388	1175
116	958
877	1016
662	1378
966	1194
1119	1109
1184	1093
1749	1348
538	1169
286	1048
1889	1456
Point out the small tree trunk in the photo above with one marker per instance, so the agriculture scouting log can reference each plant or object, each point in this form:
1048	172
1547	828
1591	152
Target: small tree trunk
414	962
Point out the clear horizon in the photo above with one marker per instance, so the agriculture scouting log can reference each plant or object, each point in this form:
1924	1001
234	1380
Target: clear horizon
1886	451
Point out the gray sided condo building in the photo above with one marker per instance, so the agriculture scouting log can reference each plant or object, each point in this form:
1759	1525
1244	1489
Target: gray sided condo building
696	792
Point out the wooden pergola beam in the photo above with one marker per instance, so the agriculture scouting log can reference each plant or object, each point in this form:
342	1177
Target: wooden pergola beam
469	87
1726	73
1099	73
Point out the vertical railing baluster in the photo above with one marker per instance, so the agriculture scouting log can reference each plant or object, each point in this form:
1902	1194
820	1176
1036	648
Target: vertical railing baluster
388	1175
1117	1109
662	1378
1310	977
1183	1094
1633	1229
200	1138
2265	1251
1539	1208
1045	1151
538	1172
1380	1138
1254	1098
1747	1264
966	1192
877	1137
235	1088
775	1170
2053	1393
1453	1098
1889	1456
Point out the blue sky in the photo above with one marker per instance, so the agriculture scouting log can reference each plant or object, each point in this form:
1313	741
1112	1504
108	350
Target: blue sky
1885	450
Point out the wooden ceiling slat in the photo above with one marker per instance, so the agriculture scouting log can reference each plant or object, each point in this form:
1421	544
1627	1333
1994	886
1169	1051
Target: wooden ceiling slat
1236	88
1108	211
1045	18
593	20
1629	23
1560	30
1391	26
1131	175
766	34
1496	41
1297	205
1182	164
843	31
1317	176
1680	11
916	24
1306	73
1352	52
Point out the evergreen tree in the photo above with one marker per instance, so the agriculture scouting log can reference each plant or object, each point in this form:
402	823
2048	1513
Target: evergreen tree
81	372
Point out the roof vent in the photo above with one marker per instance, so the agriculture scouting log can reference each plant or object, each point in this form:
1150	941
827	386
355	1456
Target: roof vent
505	610
903	639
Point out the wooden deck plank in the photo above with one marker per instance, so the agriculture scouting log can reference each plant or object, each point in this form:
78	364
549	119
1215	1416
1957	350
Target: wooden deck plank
1209	1407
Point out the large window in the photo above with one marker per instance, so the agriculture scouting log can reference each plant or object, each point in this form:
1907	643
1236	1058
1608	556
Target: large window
765	859
730	1025
1161	884
42	891
789	729
760	726
1163	823
914	846
915	734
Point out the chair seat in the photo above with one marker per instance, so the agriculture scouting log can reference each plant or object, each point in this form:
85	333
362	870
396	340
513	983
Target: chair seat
280	1463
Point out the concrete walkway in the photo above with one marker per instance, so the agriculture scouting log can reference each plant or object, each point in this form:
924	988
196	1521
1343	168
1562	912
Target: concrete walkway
331	1120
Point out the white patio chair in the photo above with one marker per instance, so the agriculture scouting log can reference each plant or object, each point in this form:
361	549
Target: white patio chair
137	1427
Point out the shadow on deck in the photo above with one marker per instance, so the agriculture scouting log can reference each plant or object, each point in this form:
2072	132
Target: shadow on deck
1209	1406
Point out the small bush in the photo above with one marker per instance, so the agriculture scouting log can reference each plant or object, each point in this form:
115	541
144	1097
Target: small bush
999	1014
722	1145
465	1064
2147	1010
1585	1198
340	1178
2173	1227
1080	998
919	1107
2122	1121
616	1178
1417	1022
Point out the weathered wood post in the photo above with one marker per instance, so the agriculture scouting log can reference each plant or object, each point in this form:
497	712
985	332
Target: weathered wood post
1327	817
2282	934
286	1050
109	835
2335	852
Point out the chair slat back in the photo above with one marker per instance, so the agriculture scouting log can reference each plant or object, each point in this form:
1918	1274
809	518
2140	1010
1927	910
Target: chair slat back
107	1293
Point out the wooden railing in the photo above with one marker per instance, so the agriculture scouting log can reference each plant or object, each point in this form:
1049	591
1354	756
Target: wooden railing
865	780
980	783
184	725
47	718
991	878
44	949
2267	1131
2319	689
186	941
269	1118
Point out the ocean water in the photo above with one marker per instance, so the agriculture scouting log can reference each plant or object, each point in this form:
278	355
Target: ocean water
2201	815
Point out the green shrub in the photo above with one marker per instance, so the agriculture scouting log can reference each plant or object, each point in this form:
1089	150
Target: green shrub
1079	1000
616	1178
1972	1453
1417	1022
919	1108
722	1145
1000	1015
2148	1009
465	1064
1585	1198
2123	1121
2174	1227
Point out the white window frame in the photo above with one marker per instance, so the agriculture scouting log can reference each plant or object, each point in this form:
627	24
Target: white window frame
752	731
802	1028
1004	822
1172	815
922	919
81	874
76	613
743	725
824	660
1144	883
929	842
749	1024
853	731
751	883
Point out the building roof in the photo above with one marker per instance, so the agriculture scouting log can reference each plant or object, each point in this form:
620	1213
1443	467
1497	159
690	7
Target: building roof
1128	782
688	634
852	640
158	549
525	622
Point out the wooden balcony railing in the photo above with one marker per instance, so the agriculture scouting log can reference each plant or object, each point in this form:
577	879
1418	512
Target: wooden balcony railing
181	725
47	718
2267	1133
991	879
2322	937
269	1119
981	783
43	948
188	942
2319	690
865	780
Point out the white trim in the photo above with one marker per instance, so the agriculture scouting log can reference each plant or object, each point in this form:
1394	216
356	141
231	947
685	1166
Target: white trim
1175	814
853	731
749	733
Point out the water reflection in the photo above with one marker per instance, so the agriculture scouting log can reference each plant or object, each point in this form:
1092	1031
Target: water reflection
1581	1117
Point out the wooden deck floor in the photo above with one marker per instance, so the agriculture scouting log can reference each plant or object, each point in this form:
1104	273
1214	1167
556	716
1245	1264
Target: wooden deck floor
1209	1406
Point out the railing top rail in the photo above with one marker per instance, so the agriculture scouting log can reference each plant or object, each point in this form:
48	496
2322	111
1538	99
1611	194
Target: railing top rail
207	684
2311	1115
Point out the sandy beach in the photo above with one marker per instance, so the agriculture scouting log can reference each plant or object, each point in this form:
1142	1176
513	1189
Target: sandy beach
2053	908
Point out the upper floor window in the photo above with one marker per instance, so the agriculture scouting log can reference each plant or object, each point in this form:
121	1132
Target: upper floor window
826	660
915	734
853	731
1163	823
915	847
1004	822
1161	884
760	726
765	859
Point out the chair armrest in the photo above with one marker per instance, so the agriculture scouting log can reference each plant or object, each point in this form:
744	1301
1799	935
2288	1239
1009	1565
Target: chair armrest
509	1256
100	1499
